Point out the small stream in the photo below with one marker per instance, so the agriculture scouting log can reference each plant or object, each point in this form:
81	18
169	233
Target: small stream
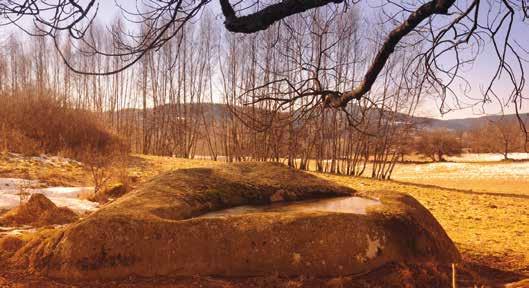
354	205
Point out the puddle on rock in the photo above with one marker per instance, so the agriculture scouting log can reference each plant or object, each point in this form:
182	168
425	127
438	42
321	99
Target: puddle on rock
353	205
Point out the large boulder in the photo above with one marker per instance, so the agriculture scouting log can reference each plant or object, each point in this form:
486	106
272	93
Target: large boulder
157	230
38	211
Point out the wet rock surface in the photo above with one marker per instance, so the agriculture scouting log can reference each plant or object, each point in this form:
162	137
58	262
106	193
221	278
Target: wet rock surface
354	205
157	230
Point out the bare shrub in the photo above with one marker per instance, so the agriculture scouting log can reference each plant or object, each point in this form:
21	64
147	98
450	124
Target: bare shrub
24	192
502	136
41	124
435	144
105	165
100	167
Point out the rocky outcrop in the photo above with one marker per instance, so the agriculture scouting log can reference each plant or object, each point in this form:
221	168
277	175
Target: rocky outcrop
155	231
38	211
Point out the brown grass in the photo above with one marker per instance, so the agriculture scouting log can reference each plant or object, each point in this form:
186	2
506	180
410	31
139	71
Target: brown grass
490	229
35	124
64	174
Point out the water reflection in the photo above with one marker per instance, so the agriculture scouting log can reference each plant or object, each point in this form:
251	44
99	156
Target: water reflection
354	205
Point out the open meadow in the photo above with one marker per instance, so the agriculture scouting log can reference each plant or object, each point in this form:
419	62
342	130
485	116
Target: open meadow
489	224
472	172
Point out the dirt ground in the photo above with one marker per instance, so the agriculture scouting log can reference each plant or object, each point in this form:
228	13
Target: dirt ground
483	206
402	275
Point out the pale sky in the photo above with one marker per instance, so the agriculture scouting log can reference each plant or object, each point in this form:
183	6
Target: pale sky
478	74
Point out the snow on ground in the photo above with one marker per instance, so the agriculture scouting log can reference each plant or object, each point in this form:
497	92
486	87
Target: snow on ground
16	231
14	183
486	157
11	188
493	177
56	161
507	170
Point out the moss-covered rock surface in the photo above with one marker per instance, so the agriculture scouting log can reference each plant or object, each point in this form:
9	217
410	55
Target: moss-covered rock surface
155	230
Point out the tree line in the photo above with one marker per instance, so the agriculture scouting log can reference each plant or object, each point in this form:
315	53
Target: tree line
207	93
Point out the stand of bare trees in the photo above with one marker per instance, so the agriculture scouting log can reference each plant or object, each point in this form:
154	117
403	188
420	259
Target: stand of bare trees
222	96
438	143
194	91
497	136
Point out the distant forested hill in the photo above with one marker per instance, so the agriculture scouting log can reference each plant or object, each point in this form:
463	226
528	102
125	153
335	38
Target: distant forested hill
465	124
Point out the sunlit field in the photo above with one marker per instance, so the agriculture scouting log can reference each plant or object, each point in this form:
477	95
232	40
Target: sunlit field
480	200
488	224
473	172
488	229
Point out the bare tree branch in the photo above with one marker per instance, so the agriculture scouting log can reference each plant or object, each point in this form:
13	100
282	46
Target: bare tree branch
425	11
265	17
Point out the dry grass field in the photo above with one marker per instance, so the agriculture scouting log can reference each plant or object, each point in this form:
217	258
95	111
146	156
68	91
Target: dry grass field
491	230
483	206
482	203
491	177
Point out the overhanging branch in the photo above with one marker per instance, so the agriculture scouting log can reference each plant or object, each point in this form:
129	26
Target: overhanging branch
265	17
425	11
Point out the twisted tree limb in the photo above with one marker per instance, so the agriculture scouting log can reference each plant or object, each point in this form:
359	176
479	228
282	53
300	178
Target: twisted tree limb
265	17
425	11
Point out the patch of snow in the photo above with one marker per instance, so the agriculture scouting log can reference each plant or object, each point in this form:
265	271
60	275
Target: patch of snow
77	205
69	192
454	170
10	189
486	157
56	161
15	183
8	201
16	231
